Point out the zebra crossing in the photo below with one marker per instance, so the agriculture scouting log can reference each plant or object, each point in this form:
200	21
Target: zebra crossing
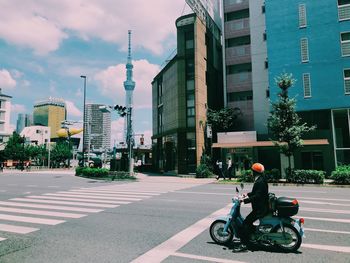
50	209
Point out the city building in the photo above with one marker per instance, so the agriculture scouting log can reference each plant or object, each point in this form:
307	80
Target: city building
311	40
98	135
37	135
5	112
23	120
51	113
189	84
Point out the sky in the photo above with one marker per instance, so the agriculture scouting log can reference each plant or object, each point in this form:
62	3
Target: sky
46	45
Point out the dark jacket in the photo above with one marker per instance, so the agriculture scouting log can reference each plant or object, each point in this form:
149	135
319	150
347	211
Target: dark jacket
259	196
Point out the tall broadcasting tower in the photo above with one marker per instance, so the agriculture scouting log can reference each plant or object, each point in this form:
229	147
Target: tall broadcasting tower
129	86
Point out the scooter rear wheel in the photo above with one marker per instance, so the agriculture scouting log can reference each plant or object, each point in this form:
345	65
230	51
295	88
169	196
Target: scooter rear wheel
295	244
216	233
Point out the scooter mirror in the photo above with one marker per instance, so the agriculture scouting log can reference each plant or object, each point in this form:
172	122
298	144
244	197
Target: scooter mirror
242	185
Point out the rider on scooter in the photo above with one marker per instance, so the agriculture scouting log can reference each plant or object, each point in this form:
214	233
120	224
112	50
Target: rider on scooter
259	199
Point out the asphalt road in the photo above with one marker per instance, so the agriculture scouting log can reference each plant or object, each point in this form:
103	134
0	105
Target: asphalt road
55	218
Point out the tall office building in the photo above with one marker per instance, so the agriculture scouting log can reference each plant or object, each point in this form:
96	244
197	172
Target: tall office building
5	112
129	86
311	40
51	113
23	120
98	134
181	93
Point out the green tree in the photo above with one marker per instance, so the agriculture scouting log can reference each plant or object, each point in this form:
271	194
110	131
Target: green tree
14	149
61	152
223	120
37	153
284	123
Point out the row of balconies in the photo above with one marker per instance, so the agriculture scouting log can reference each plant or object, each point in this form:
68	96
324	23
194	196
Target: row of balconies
235	5
239	82
238	55
237	28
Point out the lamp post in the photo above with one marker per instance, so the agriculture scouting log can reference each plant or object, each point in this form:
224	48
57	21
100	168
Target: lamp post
84	122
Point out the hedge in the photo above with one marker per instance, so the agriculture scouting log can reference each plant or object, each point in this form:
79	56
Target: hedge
102	173
341	175
203	171
306	177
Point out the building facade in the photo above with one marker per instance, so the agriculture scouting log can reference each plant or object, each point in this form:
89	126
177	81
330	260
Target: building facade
38	135
5	112
189	84
50	113
98	134
23	120
311	40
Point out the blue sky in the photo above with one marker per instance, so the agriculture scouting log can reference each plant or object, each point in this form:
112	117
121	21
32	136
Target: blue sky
45	45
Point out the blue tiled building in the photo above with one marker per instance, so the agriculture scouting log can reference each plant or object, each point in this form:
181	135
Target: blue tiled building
311	40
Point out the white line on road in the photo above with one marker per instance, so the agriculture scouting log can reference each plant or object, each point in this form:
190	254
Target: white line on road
322	203
17	229
40	212
63	202
326	219
118	188
327	199
52	186
35	220
210	259
116	192
53	207
77	199
80	195
31	185
325	210
2	238
326	247
170	246
327	231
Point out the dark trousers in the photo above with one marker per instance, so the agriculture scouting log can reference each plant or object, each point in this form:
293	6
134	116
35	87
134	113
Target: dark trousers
248	227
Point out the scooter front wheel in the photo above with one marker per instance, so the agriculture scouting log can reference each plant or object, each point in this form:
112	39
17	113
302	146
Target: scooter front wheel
216	232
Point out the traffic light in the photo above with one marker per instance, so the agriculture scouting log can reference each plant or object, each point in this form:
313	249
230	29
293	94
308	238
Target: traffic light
121	110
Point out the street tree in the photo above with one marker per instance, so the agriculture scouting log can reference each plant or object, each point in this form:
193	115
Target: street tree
223	120
61	152
14	149
284	123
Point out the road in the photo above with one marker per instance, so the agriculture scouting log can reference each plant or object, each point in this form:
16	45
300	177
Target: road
61	218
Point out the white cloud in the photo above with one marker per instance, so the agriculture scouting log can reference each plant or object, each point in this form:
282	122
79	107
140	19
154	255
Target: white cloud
18	108
72	110
111	82
43	25
6	80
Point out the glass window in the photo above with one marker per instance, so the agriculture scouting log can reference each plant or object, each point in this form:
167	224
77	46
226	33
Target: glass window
347	81
191	112
302	15
304	50
307	85
341	128
190	100
345	43
343	10
190	85
343	2
312	160
189	44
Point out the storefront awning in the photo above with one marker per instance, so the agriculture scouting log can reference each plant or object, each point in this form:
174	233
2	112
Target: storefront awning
264	144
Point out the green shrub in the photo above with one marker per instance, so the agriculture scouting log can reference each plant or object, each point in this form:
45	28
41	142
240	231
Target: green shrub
341	175
273	176
306	177
91	172
120	175
203	171
79	170
246	176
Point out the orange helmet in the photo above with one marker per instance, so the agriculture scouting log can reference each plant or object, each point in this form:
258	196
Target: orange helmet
258	167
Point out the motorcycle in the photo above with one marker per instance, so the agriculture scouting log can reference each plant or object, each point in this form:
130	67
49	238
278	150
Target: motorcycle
276	229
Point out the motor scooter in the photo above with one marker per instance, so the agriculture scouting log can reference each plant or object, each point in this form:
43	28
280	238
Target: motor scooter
276	229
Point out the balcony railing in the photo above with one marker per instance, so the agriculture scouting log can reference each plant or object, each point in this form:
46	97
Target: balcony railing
344	12
238	55
239	82
234	5
237	28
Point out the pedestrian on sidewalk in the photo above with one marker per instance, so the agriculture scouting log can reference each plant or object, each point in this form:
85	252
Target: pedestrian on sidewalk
220	171
229	168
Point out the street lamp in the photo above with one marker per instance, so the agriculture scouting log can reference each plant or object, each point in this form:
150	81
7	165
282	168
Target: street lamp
84	121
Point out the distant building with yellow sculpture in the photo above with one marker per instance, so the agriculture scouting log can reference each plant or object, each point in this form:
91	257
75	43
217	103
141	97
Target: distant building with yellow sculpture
50	113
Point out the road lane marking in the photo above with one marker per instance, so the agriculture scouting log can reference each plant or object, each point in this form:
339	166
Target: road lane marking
31	185
210	259
2	238
40	212
106	196
322	203
170	246
327	231
77	199
52	186
94	197
28	219
124	190
324	210
116	192
327	199
17	229
63	202
326	219
326	247
53	207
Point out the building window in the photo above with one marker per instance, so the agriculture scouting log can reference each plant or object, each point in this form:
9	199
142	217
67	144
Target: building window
312	160
264	36
1	104
304	46
343	10
2	126
263	8
307	85
237	15
240	96
160	92
266	63
347	81
302	15
190	85
345	43
160	119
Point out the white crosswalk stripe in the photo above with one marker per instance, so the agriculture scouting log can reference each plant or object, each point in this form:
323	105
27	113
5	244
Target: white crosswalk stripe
63	202
101	196
38	212
27	219
17	229
90	199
